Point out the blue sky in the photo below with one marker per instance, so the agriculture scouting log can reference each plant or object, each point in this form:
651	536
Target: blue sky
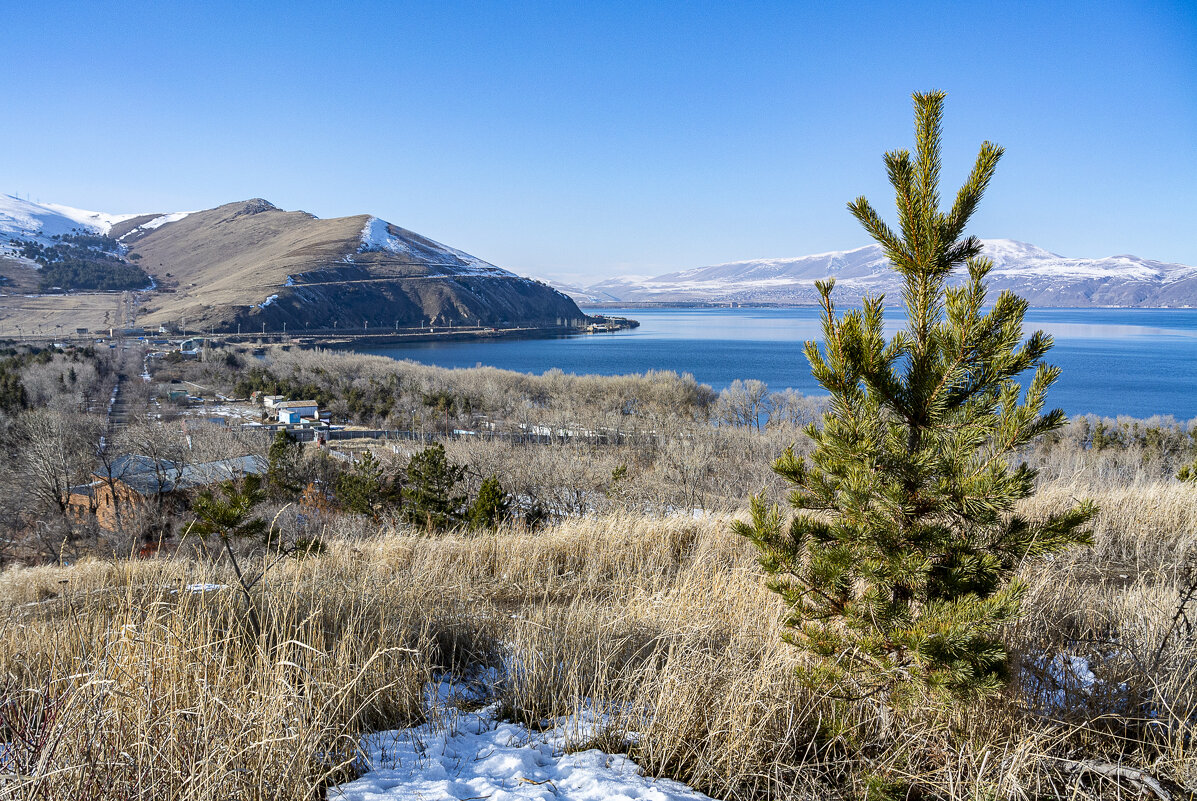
593	139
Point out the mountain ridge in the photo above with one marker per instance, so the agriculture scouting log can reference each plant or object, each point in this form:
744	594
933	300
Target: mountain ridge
1043	277
251	265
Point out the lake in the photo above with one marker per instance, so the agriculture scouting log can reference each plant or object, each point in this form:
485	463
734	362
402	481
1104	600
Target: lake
1138	362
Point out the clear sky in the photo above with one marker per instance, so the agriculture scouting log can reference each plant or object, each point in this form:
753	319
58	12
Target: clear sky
599	138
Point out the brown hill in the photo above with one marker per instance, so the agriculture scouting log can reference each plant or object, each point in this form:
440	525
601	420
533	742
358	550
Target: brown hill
251	264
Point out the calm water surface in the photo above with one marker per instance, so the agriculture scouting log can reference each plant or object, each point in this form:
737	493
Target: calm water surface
1139	362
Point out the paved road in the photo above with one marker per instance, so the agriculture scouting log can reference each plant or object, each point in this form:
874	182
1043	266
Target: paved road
393	278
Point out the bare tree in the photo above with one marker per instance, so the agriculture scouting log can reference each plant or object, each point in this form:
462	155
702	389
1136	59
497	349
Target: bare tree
791	408
744	402
51	451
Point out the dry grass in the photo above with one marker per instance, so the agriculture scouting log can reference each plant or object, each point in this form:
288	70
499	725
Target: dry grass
661	622
59	315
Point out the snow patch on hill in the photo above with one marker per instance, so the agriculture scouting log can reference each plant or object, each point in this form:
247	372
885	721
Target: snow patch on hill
158	222
155	223
25	219
378	235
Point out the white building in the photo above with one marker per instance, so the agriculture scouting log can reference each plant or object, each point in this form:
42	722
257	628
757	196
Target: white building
294	411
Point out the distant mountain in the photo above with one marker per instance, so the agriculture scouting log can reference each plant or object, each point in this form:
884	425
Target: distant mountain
250	264
1044	278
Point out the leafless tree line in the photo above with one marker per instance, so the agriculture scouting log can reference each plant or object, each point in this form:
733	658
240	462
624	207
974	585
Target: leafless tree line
707	450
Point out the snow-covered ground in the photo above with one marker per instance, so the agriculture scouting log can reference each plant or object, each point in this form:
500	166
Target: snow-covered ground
201	588
25	219
158	222
473	755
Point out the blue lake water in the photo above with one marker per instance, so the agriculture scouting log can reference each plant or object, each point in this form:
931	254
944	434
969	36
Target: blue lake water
1139	362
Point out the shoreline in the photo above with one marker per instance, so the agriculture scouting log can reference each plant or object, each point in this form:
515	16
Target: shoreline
697	304
340	339
384	337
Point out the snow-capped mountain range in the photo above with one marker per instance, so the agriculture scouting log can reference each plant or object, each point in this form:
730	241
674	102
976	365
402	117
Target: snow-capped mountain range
30	221
1043	277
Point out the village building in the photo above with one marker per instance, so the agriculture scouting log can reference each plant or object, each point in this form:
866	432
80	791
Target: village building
295	411
134	480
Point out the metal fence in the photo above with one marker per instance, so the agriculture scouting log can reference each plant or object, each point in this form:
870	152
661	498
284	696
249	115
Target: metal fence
559	438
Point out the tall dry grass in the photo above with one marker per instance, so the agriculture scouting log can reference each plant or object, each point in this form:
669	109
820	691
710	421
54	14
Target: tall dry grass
661	622
122	683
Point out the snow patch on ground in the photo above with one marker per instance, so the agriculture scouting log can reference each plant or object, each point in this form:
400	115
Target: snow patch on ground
1062	682
474	755
375	236
460	754
268	301
1064	676
201	588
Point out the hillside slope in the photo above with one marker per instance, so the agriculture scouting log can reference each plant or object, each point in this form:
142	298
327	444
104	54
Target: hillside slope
250	265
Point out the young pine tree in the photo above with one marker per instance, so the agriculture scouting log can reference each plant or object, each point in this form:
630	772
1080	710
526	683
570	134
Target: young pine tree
360	488
899	563
430	497
1188	473
282	464
229	516
491	506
